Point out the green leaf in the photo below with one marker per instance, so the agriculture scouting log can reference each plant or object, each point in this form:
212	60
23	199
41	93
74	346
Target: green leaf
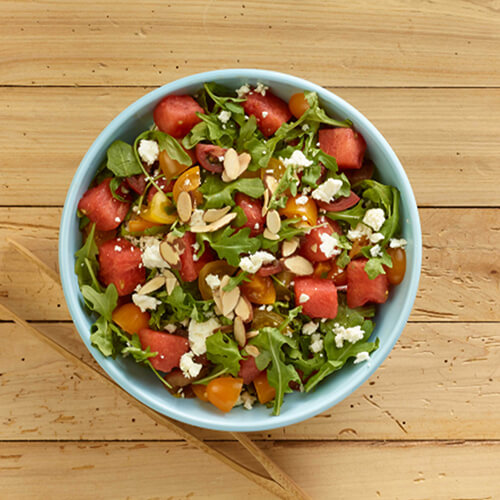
343	259
316	113
136	351
102	303
287	231
178	306
171	146
113	186
101	336
229	245
270	342
223	351
236	281
247	132
86	265
352	215
197	134
121	160
374	266
311	175
290	181
241	219
218	193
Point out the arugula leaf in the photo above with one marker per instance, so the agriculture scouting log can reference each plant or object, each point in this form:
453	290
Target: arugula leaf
170	145
113	186
374	265
178	306
315	113
328	161
134	349
311	175
102	303
197	134
86	265
343	259
287	231
223	351
218	193
270	341
352	215
236	280
101	336
304	363
121	160
247	131
229	245
289	180
241	219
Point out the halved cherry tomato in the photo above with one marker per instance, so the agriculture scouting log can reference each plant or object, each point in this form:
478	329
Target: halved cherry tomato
265	392
276	168
283	287
200	391
268	318
188	181
170	167
210	157
338	275
308	212
298	104
130	318
197	197
156	211
322	269
139	225
259	290
357	245
219	268
396	273
223	392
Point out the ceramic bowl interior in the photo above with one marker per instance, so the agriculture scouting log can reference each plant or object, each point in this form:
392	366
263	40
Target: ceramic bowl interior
390	320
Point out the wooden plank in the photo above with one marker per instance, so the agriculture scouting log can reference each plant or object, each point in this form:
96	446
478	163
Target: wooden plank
459	282
361	43
450	158
334	470
438	383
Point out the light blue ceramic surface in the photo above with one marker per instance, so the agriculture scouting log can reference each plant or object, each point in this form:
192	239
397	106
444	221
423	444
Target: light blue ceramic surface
391	318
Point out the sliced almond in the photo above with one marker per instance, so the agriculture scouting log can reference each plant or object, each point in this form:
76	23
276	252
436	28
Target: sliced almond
218	303
252	350
266	202
214	226
156	283
171	237
229	299
244	160
231	164
273	221
170	281
184	206
239	331
299	265
244	309
225	177
252	333
271	183
168	253
213	214
289	247
270	236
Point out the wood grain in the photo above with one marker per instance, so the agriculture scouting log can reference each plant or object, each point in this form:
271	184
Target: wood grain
447	140
370	470
352	43
439	382
460	273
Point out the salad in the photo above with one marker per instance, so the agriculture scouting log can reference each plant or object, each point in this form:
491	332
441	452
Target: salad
238	248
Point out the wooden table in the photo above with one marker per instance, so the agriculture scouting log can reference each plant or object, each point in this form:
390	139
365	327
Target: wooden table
426	425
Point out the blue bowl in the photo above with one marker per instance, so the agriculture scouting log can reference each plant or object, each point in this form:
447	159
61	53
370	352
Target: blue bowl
140	382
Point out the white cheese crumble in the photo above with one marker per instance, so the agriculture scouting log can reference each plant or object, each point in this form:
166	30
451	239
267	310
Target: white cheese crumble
197	218
224	116
359	232
170	328
375	251
361	356
151	256
310	328
375	218
254	262
305	127
303	298
326	192
301	200
247	400
397	243
242	92
316	343
213	281
148	151
189	368
351	334
118	248
145	302
264	114
198	334
298	158
261	88
376	237
117	219
256	226
329	245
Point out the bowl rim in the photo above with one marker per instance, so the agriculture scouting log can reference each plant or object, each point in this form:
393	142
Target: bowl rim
72	293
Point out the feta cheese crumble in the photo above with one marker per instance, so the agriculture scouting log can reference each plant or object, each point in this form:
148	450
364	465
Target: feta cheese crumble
151	256
397	243
376	237
242	92
361	356
213	281
310	328
118	248
148	151
197	218
352	334
254	262
170	328
359	232
247	400
117	219
198	334
298	158
301	200
224	116
145	302
329	245
375	251
375	218
303	298
264	114
189	368
261	88
326	192
316	344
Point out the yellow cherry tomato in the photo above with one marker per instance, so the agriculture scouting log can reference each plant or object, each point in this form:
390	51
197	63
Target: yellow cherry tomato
298	104
130	318
307	212
223	392
259	290
218	268
170	167
156	211
265	392
188	181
